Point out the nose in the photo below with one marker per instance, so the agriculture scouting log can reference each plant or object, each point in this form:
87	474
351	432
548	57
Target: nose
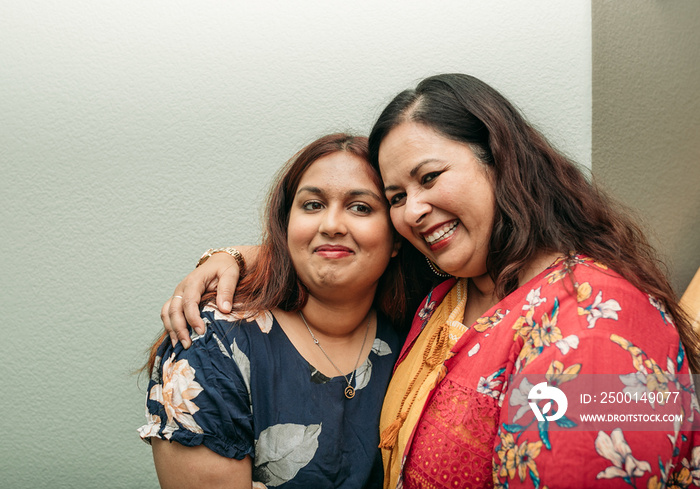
416	210
333	223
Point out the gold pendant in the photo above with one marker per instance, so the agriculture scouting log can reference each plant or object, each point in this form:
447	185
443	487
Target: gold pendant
349	392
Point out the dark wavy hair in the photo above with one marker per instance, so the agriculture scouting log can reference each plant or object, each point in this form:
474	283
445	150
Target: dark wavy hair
271	280
543	200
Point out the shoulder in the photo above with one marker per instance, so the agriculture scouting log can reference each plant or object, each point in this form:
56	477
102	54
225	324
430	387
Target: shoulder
201	395
588	304
237	322
218	361
602	293
226	337
597	293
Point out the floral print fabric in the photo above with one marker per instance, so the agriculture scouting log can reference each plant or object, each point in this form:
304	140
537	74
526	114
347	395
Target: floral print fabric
563	329
243	389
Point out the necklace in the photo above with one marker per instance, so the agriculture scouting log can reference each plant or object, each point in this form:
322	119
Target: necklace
349	390
436	269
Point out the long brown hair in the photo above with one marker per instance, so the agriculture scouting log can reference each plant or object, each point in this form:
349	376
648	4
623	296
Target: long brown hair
543	200
271	280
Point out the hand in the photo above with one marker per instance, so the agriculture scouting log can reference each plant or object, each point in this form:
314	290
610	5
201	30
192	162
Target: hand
219	273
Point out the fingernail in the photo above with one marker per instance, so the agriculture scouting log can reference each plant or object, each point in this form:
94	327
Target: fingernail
227	305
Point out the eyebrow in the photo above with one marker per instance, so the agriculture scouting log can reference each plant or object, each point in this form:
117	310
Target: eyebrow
412	173
353	193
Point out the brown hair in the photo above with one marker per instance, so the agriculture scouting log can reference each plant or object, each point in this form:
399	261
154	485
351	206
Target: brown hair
271	280
543	201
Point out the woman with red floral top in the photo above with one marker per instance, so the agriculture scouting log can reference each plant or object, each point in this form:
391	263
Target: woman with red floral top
555	354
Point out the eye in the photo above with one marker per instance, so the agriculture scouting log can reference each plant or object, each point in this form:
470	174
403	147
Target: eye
396	199
312	205
429	177
360	208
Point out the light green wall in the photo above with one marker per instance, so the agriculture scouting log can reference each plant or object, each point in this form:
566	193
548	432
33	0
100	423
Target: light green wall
136	134
646	119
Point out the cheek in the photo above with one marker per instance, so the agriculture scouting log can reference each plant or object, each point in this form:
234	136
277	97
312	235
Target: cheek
396	214
300	230
377	235
292	232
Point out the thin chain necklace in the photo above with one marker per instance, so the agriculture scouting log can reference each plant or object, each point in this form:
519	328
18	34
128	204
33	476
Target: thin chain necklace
349	390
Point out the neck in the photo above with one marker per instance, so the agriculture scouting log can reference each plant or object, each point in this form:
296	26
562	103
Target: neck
537	265
483	287
480	298
337	320
343	332
481	290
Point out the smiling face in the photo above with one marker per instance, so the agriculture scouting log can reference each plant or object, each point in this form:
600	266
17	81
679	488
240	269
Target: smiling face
339	233
441	197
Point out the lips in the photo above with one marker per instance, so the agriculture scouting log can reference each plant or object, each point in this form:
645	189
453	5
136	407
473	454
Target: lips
333	251
440	233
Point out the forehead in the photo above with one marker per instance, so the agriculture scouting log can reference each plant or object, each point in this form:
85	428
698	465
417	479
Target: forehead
411	139
341	170
410	144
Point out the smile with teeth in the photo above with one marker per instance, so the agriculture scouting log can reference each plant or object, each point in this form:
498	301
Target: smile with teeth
442	233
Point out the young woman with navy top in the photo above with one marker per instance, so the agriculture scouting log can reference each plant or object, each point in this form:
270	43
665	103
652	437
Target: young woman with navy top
286	390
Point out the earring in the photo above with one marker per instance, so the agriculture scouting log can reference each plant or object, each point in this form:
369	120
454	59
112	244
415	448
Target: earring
436	270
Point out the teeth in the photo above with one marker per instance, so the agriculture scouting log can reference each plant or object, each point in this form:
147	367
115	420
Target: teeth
444	232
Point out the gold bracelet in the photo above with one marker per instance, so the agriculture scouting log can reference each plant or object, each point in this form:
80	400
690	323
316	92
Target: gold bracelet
231	251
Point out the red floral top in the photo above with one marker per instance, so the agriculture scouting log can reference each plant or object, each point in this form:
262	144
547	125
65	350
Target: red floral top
573	380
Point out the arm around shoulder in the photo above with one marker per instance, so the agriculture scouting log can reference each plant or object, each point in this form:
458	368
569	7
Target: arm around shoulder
217	270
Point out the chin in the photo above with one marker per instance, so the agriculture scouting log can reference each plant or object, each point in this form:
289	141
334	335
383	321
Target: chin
454	269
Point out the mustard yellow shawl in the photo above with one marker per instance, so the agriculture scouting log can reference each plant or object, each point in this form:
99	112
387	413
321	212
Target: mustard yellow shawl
415	378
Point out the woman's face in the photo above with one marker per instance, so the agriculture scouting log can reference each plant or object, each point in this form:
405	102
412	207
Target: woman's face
441	197
339	235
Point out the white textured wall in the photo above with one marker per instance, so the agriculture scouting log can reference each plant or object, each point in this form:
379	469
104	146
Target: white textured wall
136	134
646	119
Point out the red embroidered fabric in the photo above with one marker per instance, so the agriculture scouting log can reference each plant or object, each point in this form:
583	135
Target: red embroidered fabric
455	418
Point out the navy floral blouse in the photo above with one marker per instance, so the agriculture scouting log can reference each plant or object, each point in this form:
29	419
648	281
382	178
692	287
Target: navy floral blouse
243	389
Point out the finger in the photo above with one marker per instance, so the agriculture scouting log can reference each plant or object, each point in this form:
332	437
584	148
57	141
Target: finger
165	319
192	296
177	321
226	288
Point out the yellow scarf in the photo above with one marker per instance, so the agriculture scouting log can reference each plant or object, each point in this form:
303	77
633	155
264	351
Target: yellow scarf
415	378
